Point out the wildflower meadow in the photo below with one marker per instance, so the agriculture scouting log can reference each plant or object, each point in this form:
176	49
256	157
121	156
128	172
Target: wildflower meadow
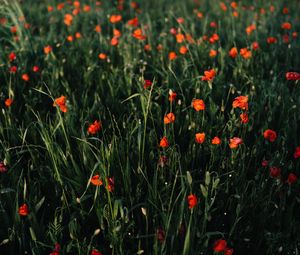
149	127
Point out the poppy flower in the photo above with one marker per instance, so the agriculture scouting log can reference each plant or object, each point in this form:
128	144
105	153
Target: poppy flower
198	104
138	34
286	26
110	184
255	46
96	252
244	118
240	102
102	56
95	127
70	38
223	6
245	53
114	41
13	69
213	53
297	152
209	75
275	171
117	33
172	95
133	22
47	49
68	19
216	140
35	69
250	29
3	167
164	143
163	160
180	38
169	118
235	142
200	138
61	103
292	178
98	29
264	163
95	180
183	50
12	56
147	84
270	135
192	201
8	102
233	52
115	19
292	76
271	40
56	249
228	251
25	77
220	245
23	210
172	55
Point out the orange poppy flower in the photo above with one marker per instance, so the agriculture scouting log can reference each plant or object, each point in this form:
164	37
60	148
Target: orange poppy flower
235	142
98	29
209	75
86	8
233	52
169	118
70	38
23	210
114	41
25	77
172	95
138	34
60	6
8	102
216	140
77	35
68	19
95	127
200	138
212	53
49	8
102	56
61	103
117	33
270	135
198	104
271	40
180	38
255	46
95	180
115	18
240	102
172	55
223	6
47	49
250	29
164	143
245	53
183	50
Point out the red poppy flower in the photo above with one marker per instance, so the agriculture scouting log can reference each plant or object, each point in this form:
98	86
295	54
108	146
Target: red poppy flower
3	167
147	84
275	171
95	127
209	75
12	56
111	184
95	180
244	118
23	210
96	252
220	245
233	52
160	235
270	135
164	142
61	103
292	76
172	96
192	201
216	140
292	178
297	152
8	102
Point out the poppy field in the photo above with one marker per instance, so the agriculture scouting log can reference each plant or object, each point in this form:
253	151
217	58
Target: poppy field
149	127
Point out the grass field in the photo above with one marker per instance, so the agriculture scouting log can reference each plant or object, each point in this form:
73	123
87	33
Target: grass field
149	127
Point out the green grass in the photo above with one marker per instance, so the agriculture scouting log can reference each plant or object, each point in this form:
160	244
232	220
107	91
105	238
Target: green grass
50	156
